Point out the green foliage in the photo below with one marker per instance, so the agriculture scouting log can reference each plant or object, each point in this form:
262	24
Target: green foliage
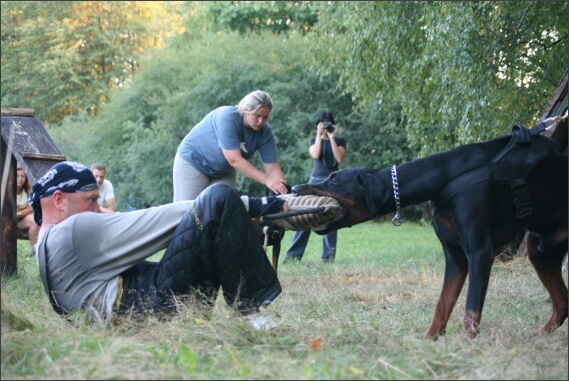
142	125
187	359
403	79
370	309
62	57
377	137
462	71
260	16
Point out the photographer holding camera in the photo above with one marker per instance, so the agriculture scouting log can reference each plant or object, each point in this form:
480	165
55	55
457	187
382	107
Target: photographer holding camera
328	151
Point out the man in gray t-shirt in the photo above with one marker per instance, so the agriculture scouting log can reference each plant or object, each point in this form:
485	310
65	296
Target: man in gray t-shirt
95	262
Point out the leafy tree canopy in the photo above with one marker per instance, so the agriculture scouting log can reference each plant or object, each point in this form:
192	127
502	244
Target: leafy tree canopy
462	71
260	16
123	82
145	122
62	57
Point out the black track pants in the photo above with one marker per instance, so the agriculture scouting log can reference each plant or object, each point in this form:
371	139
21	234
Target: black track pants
215	245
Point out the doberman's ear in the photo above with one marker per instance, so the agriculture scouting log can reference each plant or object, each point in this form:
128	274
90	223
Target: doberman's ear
372	190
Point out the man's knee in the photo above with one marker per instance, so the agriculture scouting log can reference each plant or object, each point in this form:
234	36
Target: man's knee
221	201
220	192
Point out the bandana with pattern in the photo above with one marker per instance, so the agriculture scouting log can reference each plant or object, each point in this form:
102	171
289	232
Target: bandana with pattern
68	177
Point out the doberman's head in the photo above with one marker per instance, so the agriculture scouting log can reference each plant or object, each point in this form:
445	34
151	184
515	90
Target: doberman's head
352	188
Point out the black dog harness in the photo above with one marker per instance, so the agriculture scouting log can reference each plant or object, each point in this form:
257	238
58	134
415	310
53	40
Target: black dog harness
510	166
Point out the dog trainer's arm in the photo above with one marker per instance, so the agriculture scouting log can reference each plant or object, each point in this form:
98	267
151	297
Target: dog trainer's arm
249	170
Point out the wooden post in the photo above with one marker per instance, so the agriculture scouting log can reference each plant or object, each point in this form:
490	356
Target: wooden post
9	261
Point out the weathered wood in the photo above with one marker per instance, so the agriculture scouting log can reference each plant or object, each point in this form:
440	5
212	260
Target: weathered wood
19	111
32	146
24	141
43	156
558	99
9	261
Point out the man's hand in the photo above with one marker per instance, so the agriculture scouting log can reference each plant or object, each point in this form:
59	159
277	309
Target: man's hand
278	186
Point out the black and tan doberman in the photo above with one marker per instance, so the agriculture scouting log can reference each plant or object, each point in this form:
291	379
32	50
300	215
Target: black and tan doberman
481	196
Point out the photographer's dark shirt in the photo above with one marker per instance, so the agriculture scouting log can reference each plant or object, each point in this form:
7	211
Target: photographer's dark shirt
326	162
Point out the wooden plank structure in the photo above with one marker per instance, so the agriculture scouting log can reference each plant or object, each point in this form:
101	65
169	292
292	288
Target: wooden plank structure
558	102
24	141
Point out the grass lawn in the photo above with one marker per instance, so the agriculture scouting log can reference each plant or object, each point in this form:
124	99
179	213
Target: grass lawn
362	317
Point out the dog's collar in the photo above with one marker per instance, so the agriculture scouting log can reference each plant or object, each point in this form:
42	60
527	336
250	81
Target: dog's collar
397	219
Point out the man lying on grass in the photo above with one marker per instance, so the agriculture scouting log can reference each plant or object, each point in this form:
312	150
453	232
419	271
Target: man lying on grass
95	262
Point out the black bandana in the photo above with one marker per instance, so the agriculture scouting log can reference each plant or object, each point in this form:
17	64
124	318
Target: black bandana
68	177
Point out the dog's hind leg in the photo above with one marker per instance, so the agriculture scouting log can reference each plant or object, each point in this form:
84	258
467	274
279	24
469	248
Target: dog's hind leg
468	252
547	264
456	270
479	267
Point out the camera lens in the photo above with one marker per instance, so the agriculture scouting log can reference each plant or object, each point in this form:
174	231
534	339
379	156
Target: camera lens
328	126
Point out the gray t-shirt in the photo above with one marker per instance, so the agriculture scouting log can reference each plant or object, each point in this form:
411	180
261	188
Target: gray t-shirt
223	128
88	251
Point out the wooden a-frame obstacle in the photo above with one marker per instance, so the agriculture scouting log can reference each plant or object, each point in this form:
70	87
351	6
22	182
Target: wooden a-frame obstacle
24	141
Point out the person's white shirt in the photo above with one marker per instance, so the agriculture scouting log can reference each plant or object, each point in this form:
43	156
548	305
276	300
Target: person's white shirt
107	193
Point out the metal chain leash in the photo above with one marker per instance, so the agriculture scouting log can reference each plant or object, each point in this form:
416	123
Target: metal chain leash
397	219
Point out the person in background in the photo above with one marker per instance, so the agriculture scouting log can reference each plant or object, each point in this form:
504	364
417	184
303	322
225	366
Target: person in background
24	212
222	143
96	263
106	190
328	151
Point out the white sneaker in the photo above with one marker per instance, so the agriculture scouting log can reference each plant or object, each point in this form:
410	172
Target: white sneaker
261	322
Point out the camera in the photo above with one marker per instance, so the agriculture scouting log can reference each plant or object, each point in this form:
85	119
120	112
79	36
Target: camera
329	127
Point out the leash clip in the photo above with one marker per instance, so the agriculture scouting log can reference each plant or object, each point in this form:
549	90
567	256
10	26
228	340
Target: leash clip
554	121
397	220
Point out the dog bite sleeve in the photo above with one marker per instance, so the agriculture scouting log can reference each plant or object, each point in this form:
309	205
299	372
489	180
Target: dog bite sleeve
329	211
